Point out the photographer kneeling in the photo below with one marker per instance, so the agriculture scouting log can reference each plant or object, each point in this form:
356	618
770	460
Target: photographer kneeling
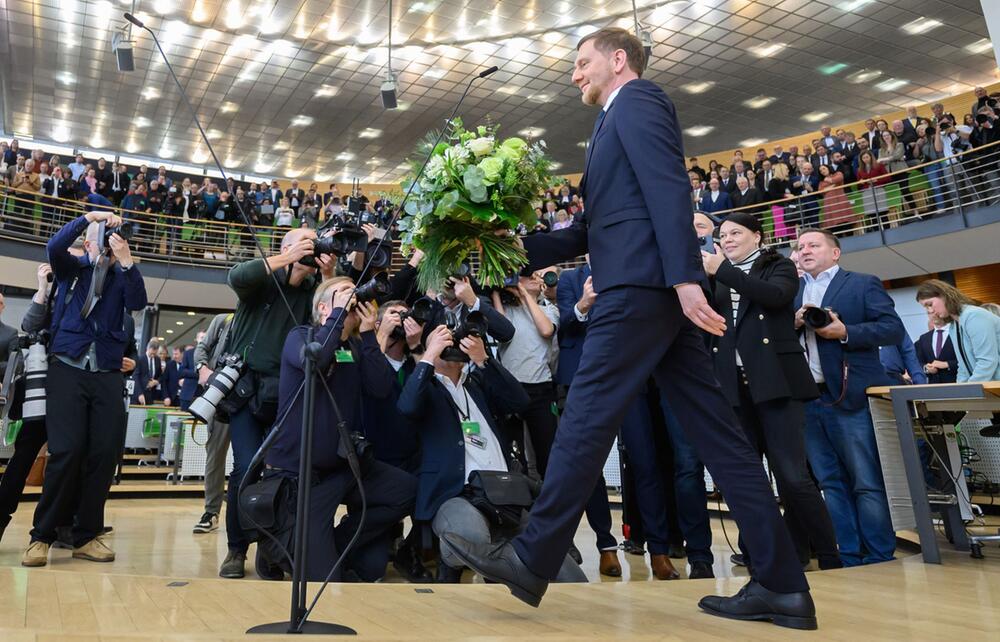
355	370
463	469
85	416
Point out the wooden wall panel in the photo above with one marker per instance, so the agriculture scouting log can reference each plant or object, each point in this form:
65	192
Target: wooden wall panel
982	283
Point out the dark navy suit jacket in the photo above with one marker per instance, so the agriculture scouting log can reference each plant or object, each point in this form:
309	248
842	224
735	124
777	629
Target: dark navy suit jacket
638	196
723	202
925	354
187	372
870	316
425	401
171	381
571	330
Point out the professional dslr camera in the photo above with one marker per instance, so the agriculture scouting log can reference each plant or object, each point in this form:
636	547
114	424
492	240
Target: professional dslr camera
23	393
421	312
228	371
350	237
816	318
474	325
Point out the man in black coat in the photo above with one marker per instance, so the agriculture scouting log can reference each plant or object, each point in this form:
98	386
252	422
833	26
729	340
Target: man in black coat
764	375
936	354
744	195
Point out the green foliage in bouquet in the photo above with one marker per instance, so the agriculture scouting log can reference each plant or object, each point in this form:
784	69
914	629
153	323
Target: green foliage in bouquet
476	186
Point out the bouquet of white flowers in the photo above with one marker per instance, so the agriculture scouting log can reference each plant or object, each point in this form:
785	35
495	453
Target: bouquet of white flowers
474	188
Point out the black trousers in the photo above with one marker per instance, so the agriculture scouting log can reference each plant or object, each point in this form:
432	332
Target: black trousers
542	422
29	442
389	493
775	428
636	332
85	417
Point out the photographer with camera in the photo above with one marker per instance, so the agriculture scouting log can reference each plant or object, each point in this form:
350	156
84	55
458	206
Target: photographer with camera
459	299
355	371
259	328
85	415
760	366
209	350
843	317
457	411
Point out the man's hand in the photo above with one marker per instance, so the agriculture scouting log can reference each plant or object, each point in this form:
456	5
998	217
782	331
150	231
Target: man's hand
166	401
939	365
369	316
522	293
44	271
299	250
474	347
203	374
712	261
464	291
929	368
142	399
128	365
416	257
697	309
835	330
370	230
589	296
413	333
327	266
343	299
439	339
800	316
112	220
121	250
390	321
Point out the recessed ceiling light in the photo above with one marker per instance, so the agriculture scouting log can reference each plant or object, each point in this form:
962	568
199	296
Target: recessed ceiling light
132	147
980	46
302	121
231	161
166	152
179	322
752	142
325	91
159	338
892	84
199	157
150	93
60	133
815	116
509	90
759	102
368	132
532	132
853	5
832	68
920	25
583	144
422	7
280	146
345	156
229	107
170	331
699	130
863	76
698	87
65	78
96	141
190	314
767	50
142	122
213	134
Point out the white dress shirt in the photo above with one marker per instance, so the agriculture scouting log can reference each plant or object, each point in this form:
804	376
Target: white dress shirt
490	455
607	103
812	294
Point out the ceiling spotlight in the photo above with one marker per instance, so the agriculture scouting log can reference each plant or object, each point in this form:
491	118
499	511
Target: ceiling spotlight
302	121
699	130
891	84
170	331
229	107
980	46
759	102
179	322
389	92
920	25
767	50
698	87
863	76
150	93
815	116
531	132
326	91
65	78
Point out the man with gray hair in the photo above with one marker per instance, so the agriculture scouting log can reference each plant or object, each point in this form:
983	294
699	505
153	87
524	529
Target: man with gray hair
84	411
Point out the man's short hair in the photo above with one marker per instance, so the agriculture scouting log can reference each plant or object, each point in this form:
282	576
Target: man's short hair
396	303
611	39
827	233
153	345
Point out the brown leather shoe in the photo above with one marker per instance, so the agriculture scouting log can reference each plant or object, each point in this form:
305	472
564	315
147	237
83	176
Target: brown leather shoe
662	568
610	565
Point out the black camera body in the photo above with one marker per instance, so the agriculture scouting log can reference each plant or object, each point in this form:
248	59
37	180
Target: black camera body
816	318
375	289
550	279
25	341
474	325
422	311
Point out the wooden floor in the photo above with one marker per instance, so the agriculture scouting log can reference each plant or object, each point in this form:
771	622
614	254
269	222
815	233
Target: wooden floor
163	586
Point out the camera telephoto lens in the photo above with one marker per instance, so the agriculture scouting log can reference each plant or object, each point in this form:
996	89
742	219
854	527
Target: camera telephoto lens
817	318
550	278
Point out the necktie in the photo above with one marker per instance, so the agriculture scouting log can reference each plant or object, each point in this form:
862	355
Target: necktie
938	343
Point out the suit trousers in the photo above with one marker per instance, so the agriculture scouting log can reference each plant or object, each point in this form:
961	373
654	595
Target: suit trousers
776	429
29	441
636	332
246	434
540	420
216	449
85	418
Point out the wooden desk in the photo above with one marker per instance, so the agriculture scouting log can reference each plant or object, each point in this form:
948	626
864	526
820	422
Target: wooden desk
902	402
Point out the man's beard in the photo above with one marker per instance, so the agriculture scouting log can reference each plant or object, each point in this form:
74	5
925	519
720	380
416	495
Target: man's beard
591	95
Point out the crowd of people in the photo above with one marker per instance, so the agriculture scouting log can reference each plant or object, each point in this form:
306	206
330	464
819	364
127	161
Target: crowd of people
901	170
443	390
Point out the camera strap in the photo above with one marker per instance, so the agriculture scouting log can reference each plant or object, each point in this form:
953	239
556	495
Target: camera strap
66	298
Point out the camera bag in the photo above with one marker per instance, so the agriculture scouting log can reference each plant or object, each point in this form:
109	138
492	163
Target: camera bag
500	496
268	505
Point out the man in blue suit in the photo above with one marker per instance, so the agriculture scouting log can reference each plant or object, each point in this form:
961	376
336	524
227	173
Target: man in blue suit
805	185
188	376
844	360
647	270
172	379
715	199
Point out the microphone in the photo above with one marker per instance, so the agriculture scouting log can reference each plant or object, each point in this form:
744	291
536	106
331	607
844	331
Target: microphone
492	70
136	21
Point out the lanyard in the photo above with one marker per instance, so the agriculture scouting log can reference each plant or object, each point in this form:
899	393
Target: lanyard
468	408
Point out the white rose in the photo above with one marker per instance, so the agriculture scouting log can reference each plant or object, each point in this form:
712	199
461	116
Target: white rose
480	146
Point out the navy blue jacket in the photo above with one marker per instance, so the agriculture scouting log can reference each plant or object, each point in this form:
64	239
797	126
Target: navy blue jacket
123	290
723	202
395	439
171	381
902	358
571	330
638	197
186	372
925	354
142	375
870	316
368	372
426	402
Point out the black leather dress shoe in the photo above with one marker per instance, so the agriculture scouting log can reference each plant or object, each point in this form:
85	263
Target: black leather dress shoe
633	548
407	562
754	602
575	554
700	571
447	574
500	563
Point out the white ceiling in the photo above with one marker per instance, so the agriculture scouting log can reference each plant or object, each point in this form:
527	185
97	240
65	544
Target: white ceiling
291	87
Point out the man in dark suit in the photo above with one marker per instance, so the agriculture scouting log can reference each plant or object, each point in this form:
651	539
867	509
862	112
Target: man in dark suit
843	165
148	376
715	199
849	148
936	353
821	157
779	155
275	193
647	269
172	379
844	360
104	177
119	183
575	297
727	180
745	195
805	185
188	375
296	197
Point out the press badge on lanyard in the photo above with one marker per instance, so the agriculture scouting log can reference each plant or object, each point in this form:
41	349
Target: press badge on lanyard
471	429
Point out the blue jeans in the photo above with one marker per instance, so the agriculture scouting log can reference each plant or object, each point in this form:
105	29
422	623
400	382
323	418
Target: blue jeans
246	435
689	487
935	176
844	458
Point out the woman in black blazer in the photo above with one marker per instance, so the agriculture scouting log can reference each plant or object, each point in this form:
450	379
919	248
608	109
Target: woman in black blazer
764	373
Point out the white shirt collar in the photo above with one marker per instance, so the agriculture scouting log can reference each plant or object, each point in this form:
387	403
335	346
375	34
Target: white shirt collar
607	103
825	275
